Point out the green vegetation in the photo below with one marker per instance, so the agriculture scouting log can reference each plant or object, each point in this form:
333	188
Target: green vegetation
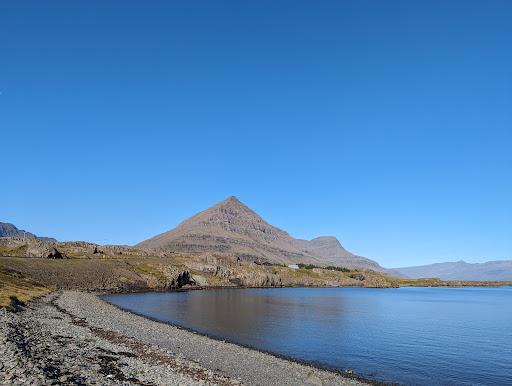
340	269
329	268
147	269
430	282
303	272
307	266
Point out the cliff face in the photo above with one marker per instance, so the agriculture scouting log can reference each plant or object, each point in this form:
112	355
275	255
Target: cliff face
230	227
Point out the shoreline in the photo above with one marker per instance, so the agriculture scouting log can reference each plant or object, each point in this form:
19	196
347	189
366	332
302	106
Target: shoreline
213	288
78	338
75	337
345	374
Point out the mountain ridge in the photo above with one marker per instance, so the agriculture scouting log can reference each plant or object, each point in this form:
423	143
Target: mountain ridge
10	230
458	270
231	227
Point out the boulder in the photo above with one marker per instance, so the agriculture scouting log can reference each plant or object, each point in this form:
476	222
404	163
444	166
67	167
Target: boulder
55	254
184	278
97	251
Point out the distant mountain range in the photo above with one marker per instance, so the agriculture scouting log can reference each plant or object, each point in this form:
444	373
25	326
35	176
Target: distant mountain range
459	270
230	227
9	230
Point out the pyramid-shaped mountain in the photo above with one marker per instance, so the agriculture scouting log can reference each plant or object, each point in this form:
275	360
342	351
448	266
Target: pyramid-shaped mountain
231	228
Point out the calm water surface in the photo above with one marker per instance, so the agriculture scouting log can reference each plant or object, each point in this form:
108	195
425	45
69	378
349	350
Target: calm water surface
413	336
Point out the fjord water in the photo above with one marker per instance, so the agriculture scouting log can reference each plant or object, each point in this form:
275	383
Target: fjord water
412	336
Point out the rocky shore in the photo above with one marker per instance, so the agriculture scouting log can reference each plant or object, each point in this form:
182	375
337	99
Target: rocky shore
76	338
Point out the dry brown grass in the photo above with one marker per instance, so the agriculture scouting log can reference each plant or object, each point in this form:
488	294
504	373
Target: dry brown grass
13	284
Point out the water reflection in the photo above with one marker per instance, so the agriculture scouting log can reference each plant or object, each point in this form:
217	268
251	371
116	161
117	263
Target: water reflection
243	313
418	336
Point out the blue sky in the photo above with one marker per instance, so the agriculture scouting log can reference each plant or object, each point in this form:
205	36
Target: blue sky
386	124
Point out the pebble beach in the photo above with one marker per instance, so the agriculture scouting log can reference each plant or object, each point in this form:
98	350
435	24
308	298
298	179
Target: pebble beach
76	338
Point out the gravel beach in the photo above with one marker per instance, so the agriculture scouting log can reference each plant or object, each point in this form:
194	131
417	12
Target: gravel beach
76	338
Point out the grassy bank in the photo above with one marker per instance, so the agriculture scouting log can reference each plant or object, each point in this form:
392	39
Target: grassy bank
15	285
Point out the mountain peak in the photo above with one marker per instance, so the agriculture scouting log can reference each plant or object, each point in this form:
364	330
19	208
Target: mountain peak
327	239
232	228
227	209
231	201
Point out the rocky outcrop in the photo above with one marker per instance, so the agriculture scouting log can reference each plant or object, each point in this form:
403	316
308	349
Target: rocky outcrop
200	280
247	278
256	281
184	278
56	254
32	247
272	281
21	247
97	251
358	276
223	272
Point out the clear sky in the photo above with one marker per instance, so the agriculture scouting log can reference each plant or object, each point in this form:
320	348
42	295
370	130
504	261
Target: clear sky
385	123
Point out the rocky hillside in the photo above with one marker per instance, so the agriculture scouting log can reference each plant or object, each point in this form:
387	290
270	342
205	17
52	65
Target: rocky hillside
34	247
459	270
9	230
231	228
164	273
